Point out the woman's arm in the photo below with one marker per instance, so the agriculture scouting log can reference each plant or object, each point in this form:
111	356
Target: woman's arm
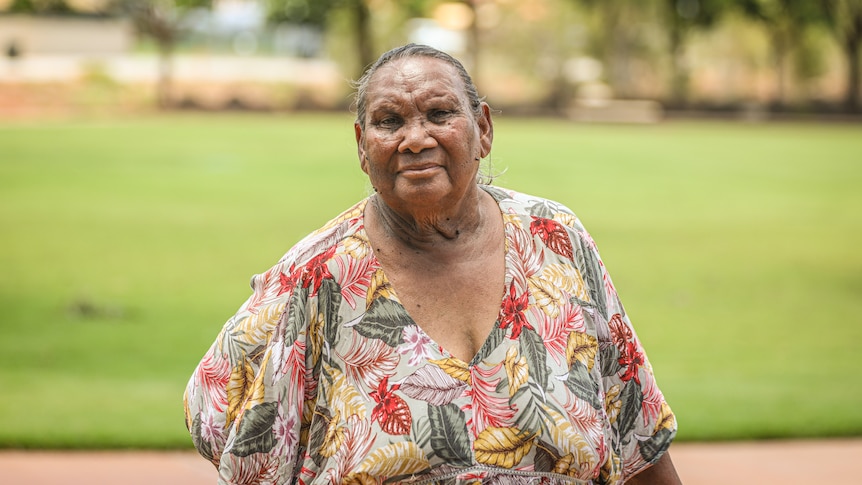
661	473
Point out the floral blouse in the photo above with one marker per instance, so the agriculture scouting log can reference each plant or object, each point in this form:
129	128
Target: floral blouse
322	377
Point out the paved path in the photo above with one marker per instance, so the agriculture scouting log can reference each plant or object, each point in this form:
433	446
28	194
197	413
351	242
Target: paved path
836	462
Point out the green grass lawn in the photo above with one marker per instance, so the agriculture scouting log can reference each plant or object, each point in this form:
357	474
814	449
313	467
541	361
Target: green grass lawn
124	246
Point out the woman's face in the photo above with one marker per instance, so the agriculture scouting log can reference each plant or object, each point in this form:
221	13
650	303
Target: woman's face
422	143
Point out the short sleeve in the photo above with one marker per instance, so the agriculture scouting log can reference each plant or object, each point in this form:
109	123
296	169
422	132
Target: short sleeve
243	403
642	423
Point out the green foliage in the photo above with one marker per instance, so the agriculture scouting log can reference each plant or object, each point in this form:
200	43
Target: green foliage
311	12
127	244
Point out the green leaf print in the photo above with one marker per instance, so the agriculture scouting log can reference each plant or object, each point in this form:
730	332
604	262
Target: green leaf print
497	335
657	443
255	430
545	460
631	398
328	302
592	274
384	320
317	434
534	350
449	434
203	446
609	356
295	314
583	385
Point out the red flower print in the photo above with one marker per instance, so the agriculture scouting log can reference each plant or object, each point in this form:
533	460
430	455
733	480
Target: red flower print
631	359
287	281
513	312
391	411
316	271
553	234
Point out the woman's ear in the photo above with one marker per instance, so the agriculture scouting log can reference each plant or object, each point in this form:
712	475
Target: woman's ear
360	149
486	130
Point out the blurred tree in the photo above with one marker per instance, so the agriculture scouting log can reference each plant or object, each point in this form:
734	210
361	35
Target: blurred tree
163	21
317	13
785	22
844	18
617	33
682	17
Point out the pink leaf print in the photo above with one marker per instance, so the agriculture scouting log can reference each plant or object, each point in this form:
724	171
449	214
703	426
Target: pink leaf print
555	331
358	439
293	367
212	375
432	385
266	286
369	360
652	400
585	418
355	278
489	408
522	255
253	470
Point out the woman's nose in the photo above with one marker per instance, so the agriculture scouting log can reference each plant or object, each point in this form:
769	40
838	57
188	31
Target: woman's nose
416	138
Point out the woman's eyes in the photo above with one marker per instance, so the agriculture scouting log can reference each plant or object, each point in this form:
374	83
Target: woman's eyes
439	114
395	122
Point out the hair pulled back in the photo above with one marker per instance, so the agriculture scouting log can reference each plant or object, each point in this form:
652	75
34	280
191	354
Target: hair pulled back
413	50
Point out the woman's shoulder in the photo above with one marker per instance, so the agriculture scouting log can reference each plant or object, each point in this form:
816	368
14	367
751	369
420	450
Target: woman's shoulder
531	207
315	249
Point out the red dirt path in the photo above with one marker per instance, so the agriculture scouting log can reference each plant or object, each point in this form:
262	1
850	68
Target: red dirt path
836	462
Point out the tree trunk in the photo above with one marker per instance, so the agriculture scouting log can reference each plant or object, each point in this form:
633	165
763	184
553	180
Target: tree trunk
364	43
165	80
852	43
779	48
851	100
679	70
473	45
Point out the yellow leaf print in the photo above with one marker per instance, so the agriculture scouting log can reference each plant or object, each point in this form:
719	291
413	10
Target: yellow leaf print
581	347
456	368
565	219
566	278
257	328
344	398
401	458
502	447
379	288
516	370
510	218
564	436
612	468
315	334
334	437
546	294
360	478
666	419
241	378
257	392
613	404
351	213
356	246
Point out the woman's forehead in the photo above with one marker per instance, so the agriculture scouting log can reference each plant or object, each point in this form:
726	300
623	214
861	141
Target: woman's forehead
416	74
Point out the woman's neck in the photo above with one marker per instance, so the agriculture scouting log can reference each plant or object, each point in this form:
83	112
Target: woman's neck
434	230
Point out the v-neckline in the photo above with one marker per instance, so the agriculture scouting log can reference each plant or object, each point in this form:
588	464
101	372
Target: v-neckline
507	281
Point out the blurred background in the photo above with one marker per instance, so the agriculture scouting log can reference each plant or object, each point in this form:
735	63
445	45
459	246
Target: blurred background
155	154
576	58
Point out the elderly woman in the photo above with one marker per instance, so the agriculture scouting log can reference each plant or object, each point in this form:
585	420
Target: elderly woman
439	331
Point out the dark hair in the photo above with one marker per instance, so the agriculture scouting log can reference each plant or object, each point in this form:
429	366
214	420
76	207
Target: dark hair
413	50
